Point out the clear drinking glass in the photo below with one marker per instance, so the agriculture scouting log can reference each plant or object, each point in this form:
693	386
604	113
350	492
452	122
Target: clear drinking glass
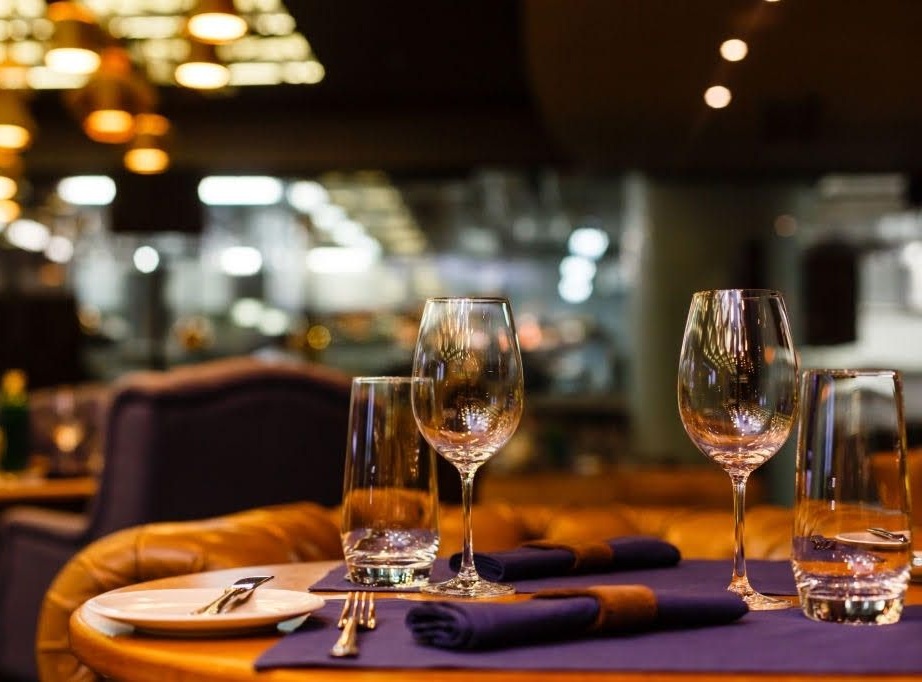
469	350
852	545
737	390
390	509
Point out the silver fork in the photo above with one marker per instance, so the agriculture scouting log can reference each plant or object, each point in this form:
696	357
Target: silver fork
358	611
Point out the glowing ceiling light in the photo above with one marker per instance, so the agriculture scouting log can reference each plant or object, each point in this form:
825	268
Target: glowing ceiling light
240	190
202	70
274	322
717	96
28	235
146	259
16	124
60	249
348	232
574	290
307	196
10	172
577	267
246	312
734	50
216	21
241	261
87	190
588	242
255	73
327	216
147	154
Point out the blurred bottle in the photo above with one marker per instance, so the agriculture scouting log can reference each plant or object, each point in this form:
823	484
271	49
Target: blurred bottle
68	435
14	420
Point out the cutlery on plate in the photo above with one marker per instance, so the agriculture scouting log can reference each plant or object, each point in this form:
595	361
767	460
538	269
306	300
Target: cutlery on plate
233	595
888	535
358	611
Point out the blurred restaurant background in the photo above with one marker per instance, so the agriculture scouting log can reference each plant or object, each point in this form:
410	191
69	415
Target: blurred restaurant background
356	157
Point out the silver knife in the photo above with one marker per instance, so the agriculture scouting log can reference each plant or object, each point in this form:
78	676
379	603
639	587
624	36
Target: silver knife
232	595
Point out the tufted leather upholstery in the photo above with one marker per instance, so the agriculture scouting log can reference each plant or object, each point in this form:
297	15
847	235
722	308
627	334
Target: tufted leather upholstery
278	534
306	531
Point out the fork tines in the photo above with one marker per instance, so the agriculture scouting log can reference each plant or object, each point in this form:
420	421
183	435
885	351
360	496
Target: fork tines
348	605
361	607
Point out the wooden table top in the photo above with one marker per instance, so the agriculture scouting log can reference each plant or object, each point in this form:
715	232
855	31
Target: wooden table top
35	489
143	657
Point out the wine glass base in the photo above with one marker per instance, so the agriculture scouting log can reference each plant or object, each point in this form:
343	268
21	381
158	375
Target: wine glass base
757	601
471	588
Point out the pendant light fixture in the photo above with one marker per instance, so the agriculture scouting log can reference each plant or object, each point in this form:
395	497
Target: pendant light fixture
216	21
76	41
147	154
202	70
110	100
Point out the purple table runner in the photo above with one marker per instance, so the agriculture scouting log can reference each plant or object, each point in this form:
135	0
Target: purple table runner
770	577
767	641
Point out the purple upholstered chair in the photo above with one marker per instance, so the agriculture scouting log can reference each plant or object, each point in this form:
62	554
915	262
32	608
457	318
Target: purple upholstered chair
188	443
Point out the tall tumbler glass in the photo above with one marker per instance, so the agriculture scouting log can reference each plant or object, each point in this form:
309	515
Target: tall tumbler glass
390	510
852	543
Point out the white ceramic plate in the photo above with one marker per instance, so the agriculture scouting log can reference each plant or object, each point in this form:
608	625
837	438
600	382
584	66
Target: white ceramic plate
863	537
169	611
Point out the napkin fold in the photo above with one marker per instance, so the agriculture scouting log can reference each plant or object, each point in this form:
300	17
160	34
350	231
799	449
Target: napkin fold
560	614
541	559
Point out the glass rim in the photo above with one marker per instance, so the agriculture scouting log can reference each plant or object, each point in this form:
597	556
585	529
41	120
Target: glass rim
745	292
383	379
472	299
847	372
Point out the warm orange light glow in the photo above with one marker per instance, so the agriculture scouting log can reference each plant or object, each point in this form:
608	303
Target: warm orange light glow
113	126
147	160
16	124
9	211
734	49
717	96
8	188
14	136
151	124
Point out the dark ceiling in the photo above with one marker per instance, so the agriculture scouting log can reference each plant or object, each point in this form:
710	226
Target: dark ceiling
434	86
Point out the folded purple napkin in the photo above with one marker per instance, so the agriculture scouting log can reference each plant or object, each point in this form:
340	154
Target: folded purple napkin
542	559
567	614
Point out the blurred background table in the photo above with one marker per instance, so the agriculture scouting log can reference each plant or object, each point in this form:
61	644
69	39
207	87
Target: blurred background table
46	491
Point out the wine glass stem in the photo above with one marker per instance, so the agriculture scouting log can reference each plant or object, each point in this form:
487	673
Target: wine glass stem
740	583
467	570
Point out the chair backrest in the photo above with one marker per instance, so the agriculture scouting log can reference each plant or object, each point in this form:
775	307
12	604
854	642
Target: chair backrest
220	437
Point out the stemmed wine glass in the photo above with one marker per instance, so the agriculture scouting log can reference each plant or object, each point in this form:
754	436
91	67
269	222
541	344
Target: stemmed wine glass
469	350
737	393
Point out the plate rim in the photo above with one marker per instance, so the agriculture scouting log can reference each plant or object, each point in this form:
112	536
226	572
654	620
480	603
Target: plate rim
871	541
223	622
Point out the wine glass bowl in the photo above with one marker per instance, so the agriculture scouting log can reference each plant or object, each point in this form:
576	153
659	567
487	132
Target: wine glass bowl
737	394
467	347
